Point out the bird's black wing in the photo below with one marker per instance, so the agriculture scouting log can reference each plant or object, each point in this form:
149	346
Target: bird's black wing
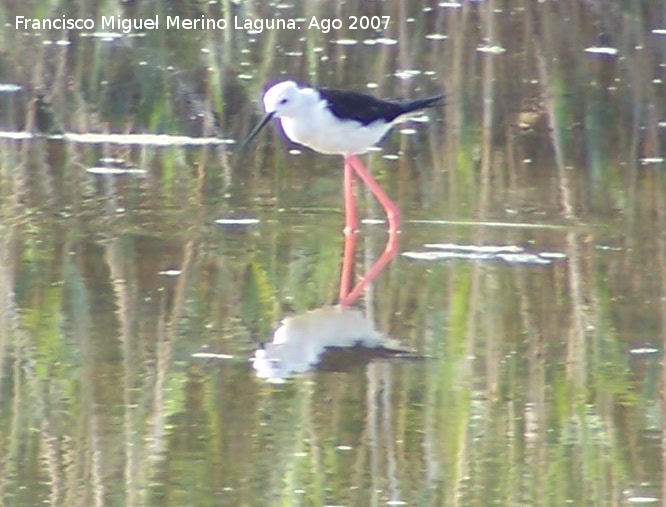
367	109
363	108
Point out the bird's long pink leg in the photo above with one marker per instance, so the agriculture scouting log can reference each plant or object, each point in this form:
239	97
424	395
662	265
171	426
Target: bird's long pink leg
392	211
353	164
351	222
389	252
347	271
350	230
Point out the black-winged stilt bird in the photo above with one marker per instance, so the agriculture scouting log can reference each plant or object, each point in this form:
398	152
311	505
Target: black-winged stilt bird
341	123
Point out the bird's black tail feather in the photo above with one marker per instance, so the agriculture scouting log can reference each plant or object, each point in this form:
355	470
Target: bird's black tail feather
415	105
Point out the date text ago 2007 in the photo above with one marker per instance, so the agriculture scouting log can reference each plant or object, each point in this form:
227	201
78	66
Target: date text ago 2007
353	23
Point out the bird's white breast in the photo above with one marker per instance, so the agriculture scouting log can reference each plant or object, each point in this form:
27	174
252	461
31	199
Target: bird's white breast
320	130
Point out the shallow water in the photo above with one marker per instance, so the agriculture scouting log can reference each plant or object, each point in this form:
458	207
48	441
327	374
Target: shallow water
143	259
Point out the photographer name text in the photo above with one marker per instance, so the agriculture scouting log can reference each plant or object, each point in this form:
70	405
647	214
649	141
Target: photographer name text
127	25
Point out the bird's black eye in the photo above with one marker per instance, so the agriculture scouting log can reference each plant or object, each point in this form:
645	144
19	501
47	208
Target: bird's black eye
283	101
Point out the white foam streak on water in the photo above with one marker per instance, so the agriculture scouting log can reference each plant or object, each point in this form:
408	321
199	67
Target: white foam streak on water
237	221
602	50
146	139
115	171
136	139
9	87
512	254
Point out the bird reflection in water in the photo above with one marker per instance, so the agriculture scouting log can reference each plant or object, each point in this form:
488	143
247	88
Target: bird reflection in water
299	344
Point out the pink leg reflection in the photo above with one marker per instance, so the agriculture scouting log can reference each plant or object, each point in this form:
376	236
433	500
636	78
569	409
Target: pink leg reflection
349	296
352	295
347	272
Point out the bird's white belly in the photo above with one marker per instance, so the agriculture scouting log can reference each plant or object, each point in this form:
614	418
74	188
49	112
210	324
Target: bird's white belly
325	133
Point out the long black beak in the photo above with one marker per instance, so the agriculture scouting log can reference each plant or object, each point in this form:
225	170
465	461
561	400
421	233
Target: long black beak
255	131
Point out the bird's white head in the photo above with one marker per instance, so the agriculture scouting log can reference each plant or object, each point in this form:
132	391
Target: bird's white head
285	99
